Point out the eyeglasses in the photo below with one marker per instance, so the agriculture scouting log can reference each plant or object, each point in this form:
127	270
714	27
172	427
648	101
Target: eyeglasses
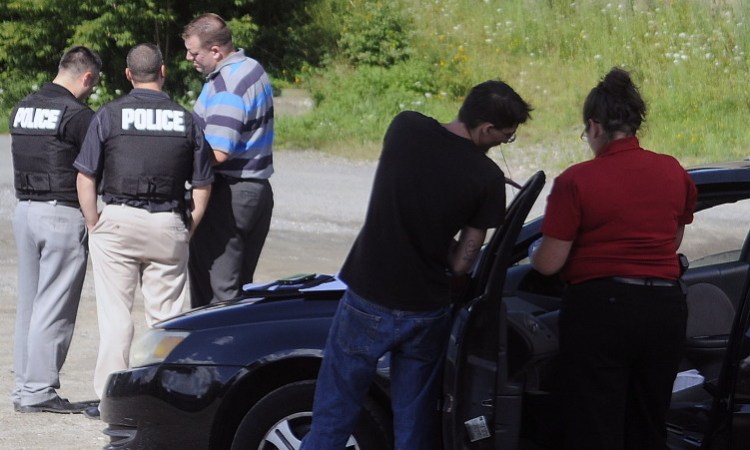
585	132
508	138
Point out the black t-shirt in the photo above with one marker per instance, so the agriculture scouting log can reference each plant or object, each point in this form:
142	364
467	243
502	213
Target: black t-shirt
429	184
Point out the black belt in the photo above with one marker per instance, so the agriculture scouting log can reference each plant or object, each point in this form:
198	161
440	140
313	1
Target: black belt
148	208
232	180
658	282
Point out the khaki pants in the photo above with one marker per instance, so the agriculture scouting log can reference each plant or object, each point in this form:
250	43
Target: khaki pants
129	246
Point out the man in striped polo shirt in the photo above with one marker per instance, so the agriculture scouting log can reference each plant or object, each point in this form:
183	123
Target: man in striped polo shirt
235	109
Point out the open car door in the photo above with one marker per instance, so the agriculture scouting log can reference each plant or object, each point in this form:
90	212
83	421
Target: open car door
710	407
481	406
736	399
715	414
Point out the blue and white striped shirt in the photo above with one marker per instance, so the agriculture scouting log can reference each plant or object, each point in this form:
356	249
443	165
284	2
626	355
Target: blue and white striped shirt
235	110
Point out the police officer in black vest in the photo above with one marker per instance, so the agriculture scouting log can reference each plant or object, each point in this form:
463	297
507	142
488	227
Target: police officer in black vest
141	150
47	129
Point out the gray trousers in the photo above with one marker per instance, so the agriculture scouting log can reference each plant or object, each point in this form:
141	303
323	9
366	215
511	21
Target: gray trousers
226	246
52	255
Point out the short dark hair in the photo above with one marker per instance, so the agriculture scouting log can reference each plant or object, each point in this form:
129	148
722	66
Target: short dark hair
494	102
144	62
80	59
211	30
615	103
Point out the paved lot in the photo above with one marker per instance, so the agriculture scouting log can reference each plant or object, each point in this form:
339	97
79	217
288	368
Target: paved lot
320	202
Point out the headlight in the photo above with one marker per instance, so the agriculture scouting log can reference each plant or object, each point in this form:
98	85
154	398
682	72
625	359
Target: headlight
154	346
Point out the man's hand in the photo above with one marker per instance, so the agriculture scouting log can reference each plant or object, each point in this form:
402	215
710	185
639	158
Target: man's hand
86	186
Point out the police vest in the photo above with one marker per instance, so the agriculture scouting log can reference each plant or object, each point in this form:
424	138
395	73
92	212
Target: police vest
148	154
42	162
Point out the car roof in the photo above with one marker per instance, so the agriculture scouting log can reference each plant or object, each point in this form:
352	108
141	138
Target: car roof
721	182
721	172
717	183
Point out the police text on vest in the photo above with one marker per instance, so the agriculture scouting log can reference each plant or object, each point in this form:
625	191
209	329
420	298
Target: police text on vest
144	119
36	118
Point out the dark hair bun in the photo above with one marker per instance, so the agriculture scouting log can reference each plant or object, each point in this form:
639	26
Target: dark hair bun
615	103
617	82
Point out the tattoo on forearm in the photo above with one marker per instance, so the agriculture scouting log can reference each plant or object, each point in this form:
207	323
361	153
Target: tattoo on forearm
470	250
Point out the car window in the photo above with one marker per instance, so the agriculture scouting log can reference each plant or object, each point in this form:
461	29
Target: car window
717	234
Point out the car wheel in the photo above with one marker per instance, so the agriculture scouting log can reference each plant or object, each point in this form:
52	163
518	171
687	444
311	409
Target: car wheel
282	418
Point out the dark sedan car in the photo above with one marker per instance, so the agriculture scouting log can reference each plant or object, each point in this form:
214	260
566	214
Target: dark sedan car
241	374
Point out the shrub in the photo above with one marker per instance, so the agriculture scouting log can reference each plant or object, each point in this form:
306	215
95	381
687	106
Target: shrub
374	33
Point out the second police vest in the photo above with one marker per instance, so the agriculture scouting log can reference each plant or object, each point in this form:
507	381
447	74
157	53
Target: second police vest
42	162
149	152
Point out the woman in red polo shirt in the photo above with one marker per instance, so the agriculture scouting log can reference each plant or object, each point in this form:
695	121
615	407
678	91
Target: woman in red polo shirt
612	228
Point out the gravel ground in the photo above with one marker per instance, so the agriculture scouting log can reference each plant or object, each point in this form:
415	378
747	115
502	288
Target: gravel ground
320	202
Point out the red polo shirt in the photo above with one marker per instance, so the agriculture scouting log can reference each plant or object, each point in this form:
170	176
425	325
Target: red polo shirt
622	210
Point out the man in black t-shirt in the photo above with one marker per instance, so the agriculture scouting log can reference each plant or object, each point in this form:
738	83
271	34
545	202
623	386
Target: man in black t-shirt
433	181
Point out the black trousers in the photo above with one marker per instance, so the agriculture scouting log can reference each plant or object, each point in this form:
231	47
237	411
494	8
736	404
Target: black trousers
226	246
620	348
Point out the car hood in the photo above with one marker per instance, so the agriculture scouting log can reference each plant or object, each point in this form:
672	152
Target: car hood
269	302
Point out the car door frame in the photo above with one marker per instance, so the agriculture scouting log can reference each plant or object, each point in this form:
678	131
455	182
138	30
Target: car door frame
729	425
728	422
481	406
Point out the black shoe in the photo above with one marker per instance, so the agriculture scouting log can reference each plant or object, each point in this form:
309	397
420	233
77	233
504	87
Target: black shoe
91	412
86	403
53	405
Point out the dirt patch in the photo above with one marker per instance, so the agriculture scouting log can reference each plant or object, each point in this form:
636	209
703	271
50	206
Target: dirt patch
316	217
320	202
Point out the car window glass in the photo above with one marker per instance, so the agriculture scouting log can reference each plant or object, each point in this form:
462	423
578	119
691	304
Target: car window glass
717	234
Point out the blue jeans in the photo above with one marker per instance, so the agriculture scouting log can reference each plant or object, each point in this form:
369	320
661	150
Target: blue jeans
361	333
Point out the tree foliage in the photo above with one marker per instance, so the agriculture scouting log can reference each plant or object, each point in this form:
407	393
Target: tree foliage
283	35
375	34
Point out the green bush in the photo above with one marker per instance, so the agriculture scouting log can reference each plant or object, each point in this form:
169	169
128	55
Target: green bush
365	60
355	105
689	58
374	33
293	35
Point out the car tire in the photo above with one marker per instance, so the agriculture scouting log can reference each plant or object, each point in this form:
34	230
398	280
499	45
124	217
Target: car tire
280	420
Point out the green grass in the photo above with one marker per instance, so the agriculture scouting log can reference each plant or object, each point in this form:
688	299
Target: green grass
688	57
